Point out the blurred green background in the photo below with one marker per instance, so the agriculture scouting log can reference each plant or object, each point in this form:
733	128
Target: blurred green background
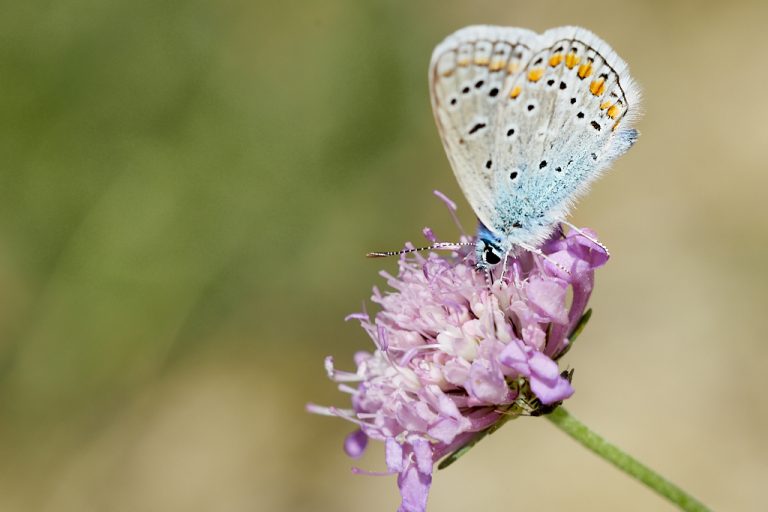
188	188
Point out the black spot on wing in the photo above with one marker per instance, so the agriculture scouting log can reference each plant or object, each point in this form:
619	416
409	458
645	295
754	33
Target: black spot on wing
476	128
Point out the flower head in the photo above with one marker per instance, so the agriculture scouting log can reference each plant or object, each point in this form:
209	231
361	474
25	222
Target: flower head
455	355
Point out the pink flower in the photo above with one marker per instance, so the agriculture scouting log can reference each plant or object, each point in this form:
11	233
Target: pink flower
454	355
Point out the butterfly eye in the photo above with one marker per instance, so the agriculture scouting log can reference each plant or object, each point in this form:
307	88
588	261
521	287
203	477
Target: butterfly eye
490	256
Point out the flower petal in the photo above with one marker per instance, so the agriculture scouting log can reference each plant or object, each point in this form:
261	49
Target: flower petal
546	381
422	449
487	383
549	392
543	367
515	357
393	452
445	430
547	296
456	371
414	484
355	444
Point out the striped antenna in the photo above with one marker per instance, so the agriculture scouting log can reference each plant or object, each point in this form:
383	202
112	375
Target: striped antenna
439	245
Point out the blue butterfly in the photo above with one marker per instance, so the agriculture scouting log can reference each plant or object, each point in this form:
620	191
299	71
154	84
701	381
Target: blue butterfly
528	122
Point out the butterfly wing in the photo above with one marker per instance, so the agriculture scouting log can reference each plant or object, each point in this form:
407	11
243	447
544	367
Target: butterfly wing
543	128
469	79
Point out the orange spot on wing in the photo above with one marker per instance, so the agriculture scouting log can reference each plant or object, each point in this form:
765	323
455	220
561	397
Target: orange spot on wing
556	59
597	87
535	74
513	67
482	61
496	65
571	60
613	112
463	62
585	70
604	105
514	93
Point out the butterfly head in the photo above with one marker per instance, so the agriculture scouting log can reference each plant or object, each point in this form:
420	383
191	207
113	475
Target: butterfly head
489	254
488	249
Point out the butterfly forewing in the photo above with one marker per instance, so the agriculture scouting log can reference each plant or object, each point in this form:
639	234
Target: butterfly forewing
529	121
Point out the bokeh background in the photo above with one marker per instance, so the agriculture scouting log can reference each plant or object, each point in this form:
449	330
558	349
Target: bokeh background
187	190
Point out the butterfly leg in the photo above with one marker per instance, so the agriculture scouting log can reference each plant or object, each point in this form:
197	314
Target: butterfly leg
587	236
504	266
537	251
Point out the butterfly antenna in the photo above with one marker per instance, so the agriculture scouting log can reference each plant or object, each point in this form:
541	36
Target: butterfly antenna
537	251
438	245
587	236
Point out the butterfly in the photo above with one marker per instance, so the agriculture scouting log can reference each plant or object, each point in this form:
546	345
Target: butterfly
528	122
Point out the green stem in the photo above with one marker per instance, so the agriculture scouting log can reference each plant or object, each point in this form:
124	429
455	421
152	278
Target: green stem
624	462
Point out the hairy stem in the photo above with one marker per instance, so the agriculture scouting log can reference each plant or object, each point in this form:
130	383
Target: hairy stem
578	431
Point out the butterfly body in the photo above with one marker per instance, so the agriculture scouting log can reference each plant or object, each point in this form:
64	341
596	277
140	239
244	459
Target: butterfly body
528	122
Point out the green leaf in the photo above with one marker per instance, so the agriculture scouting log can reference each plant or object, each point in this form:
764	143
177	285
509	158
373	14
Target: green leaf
513	412
580	326
577	331
450	459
